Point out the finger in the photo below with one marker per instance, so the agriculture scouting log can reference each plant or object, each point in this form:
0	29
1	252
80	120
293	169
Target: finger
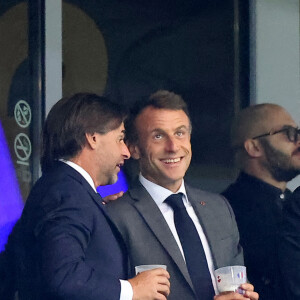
229	296
251	295
247	287
163	289
160	297
237	296
108	198
120	194
113	197
160	272
163	281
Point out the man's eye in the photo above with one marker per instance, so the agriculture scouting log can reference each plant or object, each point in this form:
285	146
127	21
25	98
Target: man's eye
158	136
180	133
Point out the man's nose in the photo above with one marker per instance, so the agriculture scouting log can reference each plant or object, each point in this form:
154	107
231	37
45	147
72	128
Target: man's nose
297	138
125	152
172	144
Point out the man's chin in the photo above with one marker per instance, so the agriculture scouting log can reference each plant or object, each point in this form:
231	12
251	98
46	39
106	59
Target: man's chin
113	180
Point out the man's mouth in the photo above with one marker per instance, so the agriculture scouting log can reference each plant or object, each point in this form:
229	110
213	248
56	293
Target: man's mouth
171	160
296	152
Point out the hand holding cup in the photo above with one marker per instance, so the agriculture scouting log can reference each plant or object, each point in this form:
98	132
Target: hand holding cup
230	278
151	282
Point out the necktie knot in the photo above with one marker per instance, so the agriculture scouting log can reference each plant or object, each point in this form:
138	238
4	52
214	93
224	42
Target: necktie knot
175	201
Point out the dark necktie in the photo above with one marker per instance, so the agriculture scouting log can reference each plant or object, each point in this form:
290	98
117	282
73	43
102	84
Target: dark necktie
192	248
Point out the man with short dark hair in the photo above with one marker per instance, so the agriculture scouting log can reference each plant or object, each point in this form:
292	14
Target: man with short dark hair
266	141
64	246
165	221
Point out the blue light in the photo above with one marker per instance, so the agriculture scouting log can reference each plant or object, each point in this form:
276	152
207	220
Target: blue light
11	204
120	185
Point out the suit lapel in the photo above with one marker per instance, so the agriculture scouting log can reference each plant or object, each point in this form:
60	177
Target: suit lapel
95	196
78	177
158	225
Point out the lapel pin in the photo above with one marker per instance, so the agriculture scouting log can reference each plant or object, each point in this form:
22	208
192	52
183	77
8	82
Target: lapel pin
202	203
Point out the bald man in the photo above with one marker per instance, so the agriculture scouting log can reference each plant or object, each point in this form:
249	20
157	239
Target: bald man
266	142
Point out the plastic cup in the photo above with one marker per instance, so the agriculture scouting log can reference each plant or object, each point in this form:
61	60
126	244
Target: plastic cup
230	278
142	268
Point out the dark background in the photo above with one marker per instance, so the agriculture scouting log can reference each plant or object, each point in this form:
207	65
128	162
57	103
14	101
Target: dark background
198	49
183	46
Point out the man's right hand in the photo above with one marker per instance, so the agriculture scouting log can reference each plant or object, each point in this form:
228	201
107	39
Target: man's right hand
151	285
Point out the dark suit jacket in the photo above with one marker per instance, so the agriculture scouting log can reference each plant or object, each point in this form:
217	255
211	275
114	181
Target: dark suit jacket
258	210
289	250
64	245
150	241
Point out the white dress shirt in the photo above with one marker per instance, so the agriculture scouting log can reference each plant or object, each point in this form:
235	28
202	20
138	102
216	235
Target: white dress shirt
159	195
126	288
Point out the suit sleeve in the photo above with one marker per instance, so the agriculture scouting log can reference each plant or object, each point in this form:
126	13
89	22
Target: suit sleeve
237	255
63	235
289	250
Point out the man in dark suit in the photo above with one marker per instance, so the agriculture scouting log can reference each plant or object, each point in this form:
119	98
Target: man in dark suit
191	240
266	142
289	250
64	246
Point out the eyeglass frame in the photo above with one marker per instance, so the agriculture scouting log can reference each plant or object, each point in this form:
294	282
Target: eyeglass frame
296	135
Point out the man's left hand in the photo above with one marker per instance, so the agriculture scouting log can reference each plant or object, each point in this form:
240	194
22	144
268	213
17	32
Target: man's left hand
249	293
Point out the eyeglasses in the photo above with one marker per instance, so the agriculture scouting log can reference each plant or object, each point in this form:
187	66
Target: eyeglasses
291	132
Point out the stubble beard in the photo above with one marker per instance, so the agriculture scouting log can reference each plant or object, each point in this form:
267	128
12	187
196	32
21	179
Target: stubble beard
113	179
279	163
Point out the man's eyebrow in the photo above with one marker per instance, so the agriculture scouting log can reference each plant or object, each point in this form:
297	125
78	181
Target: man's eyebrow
157	130
162	130
123	133
182	127
289	126
283	127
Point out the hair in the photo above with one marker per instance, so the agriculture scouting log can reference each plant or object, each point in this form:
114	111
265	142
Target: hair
250	122
162	99
70	119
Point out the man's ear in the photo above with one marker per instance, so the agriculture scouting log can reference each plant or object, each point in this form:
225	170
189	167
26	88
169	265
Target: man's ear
253	148
91	140
134	151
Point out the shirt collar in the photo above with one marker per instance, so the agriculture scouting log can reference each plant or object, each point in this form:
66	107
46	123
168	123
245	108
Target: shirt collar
259	185
82	171
159	193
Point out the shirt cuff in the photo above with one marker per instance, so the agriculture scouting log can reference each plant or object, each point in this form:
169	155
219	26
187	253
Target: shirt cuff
126	290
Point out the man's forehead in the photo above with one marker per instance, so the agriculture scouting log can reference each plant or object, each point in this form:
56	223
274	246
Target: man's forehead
162	115
277	119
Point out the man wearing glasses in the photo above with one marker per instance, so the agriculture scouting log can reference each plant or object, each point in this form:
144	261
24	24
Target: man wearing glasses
266	143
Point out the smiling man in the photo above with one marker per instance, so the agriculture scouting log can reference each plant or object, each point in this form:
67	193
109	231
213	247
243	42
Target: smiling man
165	221
266	142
